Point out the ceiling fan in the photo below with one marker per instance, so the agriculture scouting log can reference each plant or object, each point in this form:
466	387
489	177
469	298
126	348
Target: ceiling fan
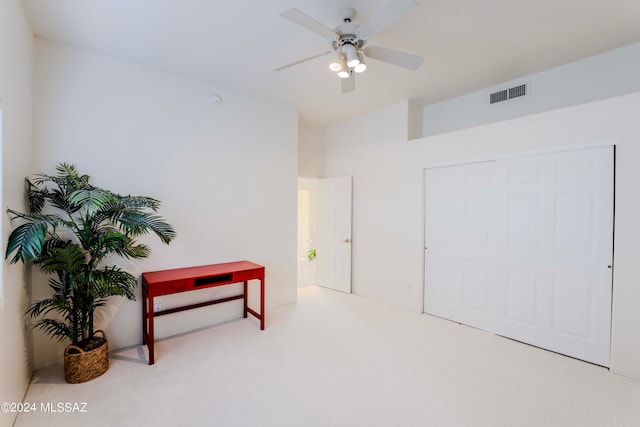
349	41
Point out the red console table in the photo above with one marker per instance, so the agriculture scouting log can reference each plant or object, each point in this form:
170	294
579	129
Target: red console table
167	282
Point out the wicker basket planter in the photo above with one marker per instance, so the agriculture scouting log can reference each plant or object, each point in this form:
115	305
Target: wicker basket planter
81	366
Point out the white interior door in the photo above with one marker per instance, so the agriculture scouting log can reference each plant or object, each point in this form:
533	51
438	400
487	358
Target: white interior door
555	252
523	247
459	253
334	233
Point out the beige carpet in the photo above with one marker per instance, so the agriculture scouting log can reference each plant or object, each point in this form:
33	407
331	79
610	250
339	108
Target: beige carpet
340	360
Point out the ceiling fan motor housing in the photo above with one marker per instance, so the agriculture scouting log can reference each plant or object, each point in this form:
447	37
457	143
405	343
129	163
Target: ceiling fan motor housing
344	39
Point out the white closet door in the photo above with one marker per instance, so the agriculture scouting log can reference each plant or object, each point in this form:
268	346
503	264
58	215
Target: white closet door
554	252
459	253
523	247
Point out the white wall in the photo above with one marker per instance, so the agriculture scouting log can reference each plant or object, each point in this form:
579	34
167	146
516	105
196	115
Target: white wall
387	203
16	71
605	75
310	151
226	175
388	195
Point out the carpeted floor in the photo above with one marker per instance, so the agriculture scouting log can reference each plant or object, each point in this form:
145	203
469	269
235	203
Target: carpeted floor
335	359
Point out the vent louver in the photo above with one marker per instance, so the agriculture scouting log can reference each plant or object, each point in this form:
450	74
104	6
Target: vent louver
506	94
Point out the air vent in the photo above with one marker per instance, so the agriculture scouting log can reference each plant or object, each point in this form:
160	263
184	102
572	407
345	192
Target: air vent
506	94
503	95
517	91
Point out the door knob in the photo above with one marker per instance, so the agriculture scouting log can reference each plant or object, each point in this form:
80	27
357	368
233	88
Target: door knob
347	240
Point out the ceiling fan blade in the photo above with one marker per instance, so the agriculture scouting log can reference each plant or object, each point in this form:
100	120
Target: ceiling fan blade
349	84
395	57
296	16
384	17
301	61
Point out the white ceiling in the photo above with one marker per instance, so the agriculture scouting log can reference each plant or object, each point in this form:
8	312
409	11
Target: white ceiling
468	44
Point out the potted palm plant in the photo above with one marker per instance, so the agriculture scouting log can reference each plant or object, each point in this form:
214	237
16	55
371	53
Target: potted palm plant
75	232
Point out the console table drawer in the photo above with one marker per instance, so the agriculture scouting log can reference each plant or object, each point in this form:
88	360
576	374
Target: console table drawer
173	287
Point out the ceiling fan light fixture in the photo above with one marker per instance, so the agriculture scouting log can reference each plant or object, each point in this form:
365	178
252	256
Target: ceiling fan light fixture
352	55
361	65
348	40
336	62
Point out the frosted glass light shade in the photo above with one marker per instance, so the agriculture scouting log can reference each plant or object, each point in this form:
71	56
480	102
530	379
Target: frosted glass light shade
352	55
361	66
336	61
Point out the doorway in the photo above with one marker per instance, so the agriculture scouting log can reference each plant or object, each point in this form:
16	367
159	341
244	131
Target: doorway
307	231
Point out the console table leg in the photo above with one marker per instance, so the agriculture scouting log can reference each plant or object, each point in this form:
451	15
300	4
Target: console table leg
245	299
150	337
262	304
144	316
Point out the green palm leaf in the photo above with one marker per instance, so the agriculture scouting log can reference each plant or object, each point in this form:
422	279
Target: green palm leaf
26	241
112	281
90	199
136	223
39	308
52	242
61	288
69	258
139	202
35	197
54	328
59	200
137	251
